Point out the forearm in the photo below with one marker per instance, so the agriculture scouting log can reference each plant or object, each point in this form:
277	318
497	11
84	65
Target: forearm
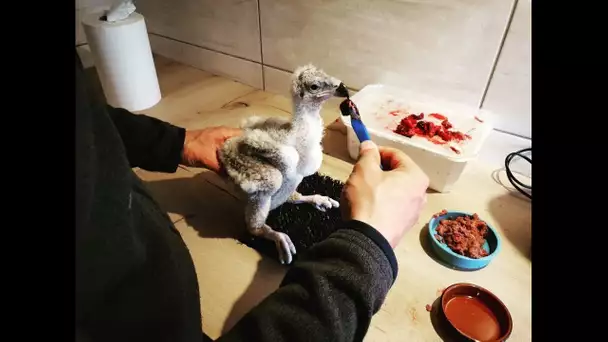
150	144
330	294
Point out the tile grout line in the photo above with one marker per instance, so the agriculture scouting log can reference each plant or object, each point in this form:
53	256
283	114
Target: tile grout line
231	55
204	48
261	46
278	68
498	53
355	89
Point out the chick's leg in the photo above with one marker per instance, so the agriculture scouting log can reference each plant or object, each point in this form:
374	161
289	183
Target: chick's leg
320	202
256	213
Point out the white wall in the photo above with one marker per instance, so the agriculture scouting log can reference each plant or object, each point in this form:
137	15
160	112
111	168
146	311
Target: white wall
509	95
452	49
472	51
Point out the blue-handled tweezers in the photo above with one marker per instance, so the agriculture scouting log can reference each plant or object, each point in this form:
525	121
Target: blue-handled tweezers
348	108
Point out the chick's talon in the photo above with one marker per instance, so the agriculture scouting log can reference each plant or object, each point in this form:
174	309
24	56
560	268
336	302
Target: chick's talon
323	203
285	248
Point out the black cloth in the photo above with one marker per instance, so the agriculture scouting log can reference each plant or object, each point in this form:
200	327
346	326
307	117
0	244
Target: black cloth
135	280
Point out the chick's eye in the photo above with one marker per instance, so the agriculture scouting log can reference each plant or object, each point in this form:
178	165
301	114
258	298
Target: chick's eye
314	87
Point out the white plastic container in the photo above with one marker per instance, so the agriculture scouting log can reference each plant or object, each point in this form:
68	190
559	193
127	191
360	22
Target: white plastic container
442	165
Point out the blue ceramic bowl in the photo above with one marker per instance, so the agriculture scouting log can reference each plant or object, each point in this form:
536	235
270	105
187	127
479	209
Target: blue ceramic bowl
492	245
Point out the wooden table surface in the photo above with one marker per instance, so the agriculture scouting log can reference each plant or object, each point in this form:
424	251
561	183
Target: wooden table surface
233	278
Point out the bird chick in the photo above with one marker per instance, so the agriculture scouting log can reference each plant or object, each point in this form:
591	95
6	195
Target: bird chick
272	156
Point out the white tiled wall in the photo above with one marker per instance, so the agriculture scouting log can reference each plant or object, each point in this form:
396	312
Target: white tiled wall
443	48
241	70
509	95
80	37
228	26
448	48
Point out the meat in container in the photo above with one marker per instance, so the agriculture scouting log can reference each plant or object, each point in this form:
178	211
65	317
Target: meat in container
382	108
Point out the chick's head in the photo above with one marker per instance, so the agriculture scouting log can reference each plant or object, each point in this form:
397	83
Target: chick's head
310	84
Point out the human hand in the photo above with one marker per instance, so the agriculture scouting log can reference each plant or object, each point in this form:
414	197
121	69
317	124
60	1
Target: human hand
390	200
201	146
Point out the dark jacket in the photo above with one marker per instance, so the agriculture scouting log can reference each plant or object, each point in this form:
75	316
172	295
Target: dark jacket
135	280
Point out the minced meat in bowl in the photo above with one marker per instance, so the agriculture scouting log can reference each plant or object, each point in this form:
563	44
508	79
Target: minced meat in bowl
465	241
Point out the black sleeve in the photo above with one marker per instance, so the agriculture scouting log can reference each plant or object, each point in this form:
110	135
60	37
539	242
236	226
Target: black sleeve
150	144
330	294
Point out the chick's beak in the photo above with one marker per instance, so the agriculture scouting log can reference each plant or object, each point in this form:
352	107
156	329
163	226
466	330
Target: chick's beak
341	91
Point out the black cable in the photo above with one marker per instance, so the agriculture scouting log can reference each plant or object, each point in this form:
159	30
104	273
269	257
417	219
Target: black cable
526	190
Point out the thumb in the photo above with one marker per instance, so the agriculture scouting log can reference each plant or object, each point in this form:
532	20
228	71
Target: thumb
229	132
369	154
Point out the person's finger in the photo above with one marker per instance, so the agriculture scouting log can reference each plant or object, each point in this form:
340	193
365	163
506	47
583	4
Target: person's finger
397	160
229	132
368	154
233	131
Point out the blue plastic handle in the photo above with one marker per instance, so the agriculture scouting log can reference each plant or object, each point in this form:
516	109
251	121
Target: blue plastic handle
361	132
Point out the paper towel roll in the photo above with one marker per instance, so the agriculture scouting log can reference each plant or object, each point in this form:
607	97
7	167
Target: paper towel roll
123	58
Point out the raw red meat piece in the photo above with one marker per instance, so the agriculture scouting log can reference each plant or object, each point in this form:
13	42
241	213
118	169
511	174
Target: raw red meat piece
414	125
438	116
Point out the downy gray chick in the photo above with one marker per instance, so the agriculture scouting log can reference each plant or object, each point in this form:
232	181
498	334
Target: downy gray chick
270	159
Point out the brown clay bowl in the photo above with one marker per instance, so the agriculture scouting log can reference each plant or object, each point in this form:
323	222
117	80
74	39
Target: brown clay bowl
475	313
